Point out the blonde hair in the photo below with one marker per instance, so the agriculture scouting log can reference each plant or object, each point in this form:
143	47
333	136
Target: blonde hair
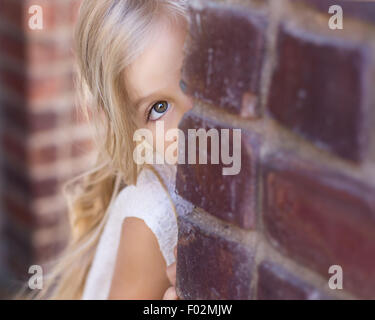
109	35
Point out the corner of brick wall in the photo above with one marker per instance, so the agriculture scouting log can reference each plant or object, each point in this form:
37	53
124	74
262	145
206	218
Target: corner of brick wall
43	143
305	197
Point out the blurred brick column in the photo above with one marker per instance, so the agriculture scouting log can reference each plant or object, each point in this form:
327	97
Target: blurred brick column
43	144
303	96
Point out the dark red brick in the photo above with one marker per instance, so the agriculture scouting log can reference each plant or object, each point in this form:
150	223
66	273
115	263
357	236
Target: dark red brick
13	81
15	147
24	252
319	90
13	47
21	238
30	186
225	56
321	218
276	283
22	212
35	88
12	12
24	120
42	156
228	197
42	121
14	115
19	259
19	211
18	149
209	266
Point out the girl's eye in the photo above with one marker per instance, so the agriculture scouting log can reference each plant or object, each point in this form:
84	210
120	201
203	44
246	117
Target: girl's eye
158	110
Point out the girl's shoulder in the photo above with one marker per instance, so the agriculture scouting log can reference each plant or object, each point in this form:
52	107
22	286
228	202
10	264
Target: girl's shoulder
149	200
148	193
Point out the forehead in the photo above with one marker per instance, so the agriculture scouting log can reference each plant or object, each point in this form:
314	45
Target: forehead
160	63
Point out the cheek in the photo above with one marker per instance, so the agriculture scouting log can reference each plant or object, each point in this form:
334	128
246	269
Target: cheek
160	128
169	122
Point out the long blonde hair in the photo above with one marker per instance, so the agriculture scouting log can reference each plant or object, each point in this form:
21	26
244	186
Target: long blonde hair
109	35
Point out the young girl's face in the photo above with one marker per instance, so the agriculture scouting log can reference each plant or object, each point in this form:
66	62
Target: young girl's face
153	80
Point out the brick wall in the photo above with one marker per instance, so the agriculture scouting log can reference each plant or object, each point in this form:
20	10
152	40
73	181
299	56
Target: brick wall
43	142
303	96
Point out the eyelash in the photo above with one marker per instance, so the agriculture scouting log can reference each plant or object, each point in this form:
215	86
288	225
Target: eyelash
152	107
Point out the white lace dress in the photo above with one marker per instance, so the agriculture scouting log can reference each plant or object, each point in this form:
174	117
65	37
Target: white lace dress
149	201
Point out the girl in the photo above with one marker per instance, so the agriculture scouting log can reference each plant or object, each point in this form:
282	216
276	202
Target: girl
123	215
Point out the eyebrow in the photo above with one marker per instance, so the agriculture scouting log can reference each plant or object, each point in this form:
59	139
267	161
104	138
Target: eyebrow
142	100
